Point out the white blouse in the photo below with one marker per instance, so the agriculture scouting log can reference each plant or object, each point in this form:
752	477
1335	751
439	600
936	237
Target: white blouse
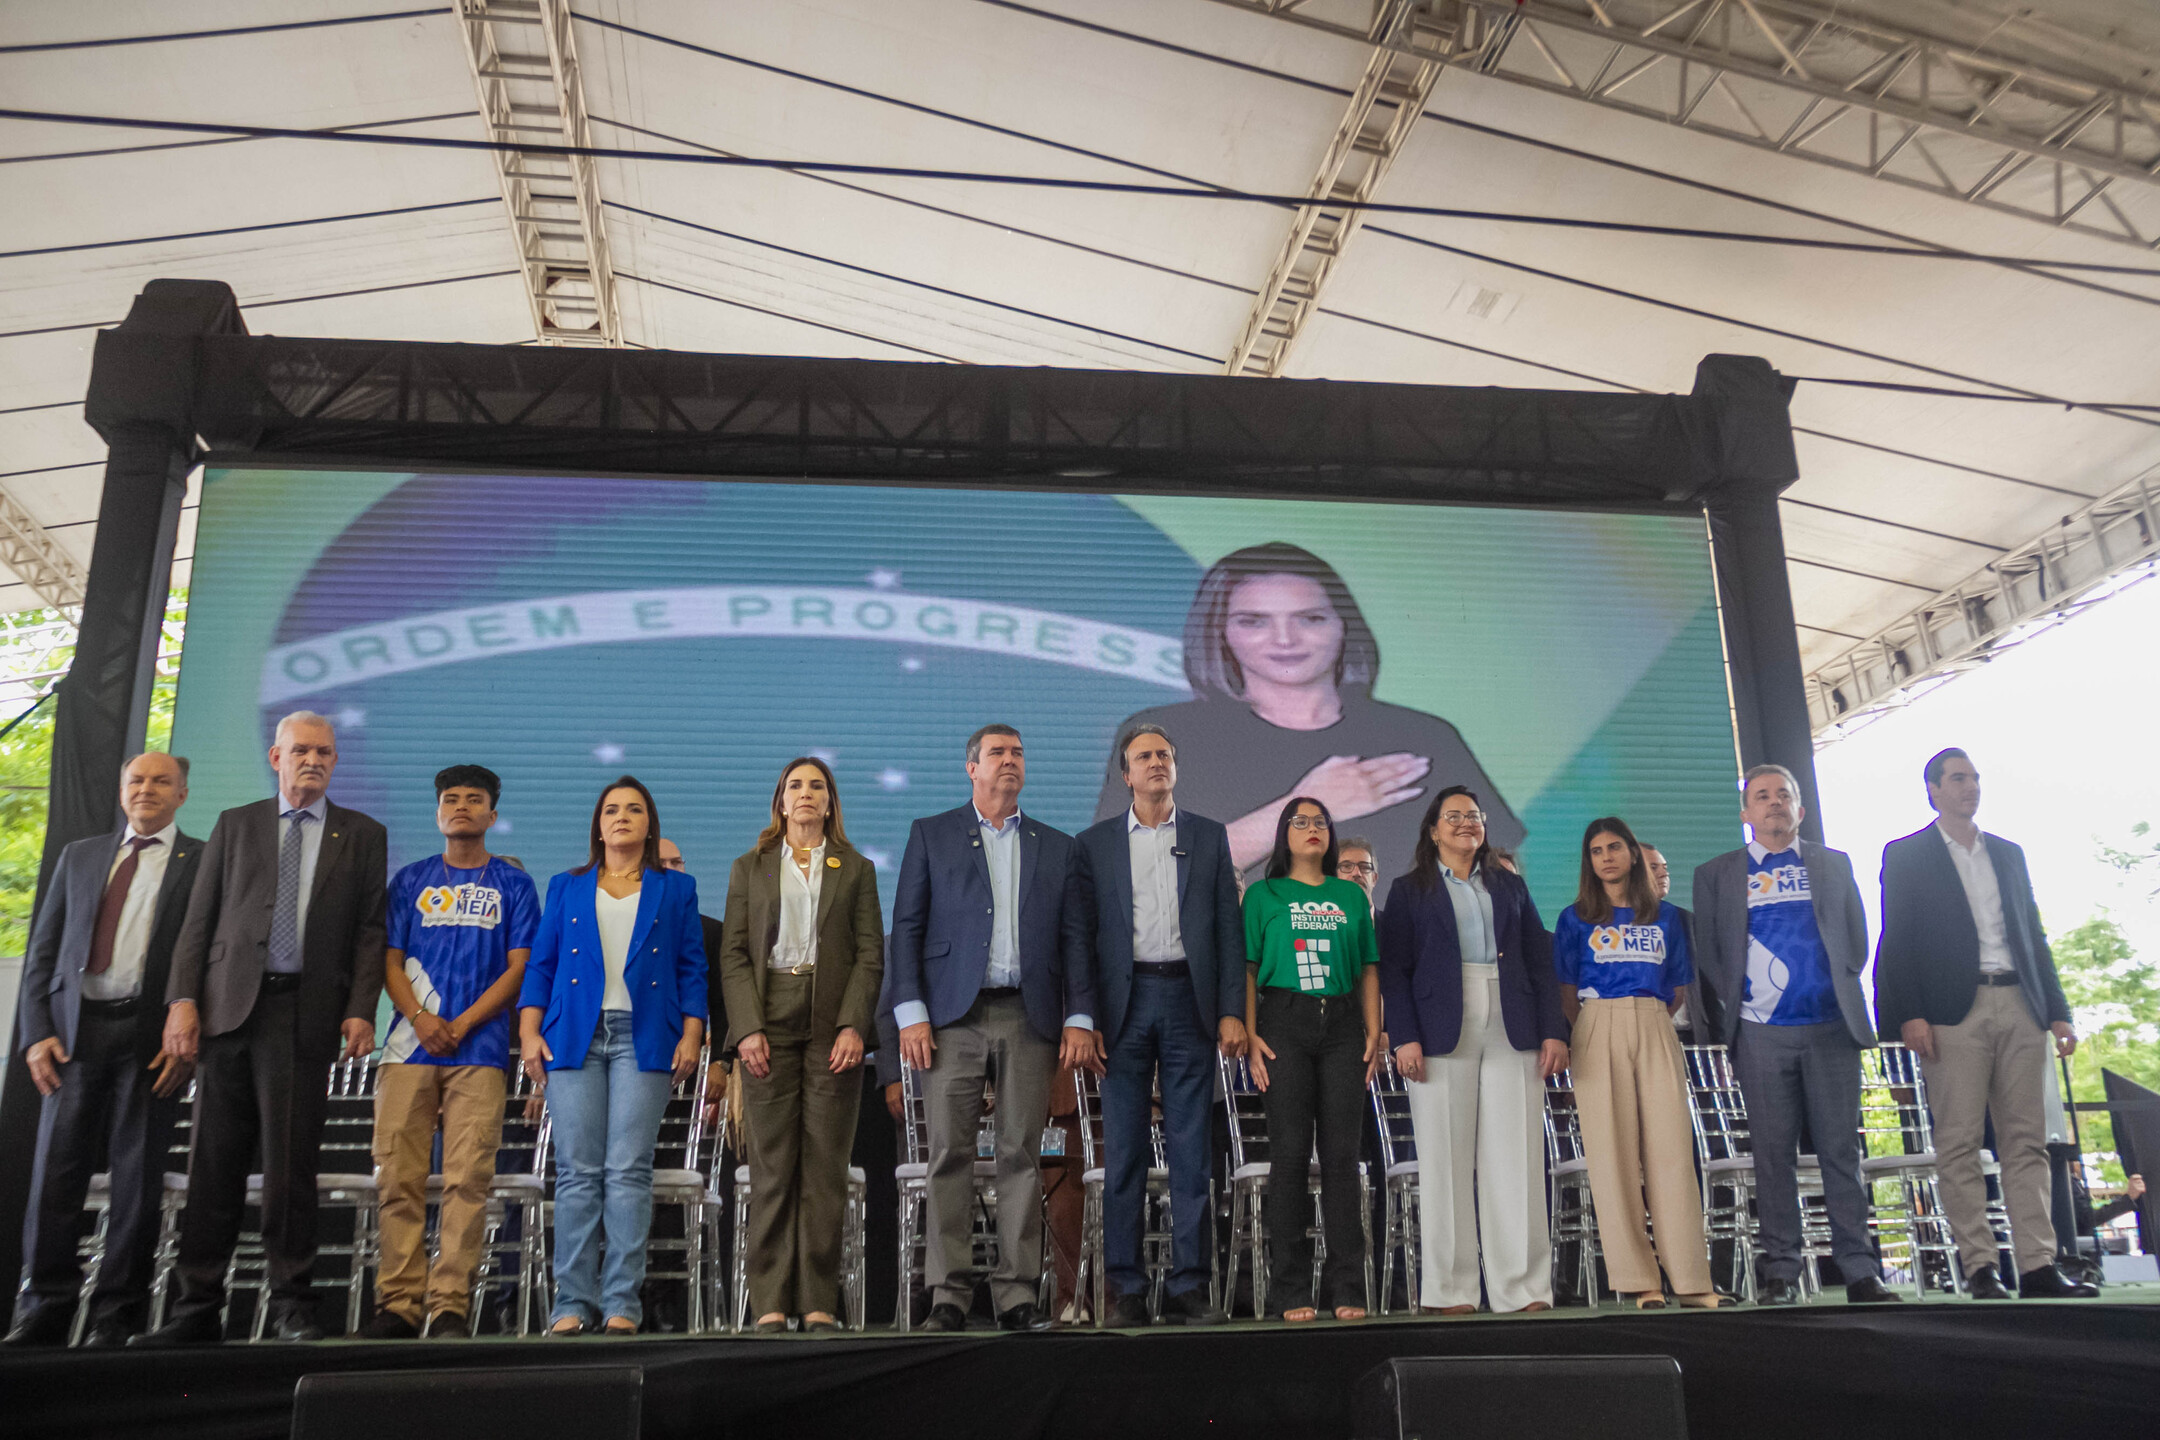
618	918
796	945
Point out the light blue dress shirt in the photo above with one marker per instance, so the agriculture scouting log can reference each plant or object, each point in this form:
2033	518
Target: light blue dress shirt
1472	904
311	836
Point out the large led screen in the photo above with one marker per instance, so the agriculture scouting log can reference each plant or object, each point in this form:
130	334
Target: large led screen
699	633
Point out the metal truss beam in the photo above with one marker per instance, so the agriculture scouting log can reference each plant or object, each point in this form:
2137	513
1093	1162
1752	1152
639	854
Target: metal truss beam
1383	110
2089	556
525	70
37	559
1799	78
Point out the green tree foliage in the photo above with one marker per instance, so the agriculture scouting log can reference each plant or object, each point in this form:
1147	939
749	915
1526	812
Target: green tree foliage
2115	994
2140	859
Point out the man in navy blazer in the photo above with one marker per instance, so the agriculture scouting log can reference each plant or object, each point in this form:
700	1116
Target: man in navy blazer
1159	904
984	986
93	993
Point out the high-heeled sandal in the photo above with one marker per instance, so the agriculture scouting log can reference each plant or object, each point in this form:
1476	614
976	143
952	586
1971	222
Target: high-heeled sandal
568	1326
1706	1300
1650	1300
627	1328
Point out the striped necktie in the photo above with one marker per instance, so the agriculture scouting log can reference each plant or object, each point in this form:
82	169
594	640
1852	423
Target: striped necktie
285	919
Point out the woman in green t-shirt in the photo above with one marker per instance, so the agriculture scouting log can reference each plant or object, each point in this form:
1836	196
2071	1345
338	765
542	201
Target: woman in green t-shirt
1312	991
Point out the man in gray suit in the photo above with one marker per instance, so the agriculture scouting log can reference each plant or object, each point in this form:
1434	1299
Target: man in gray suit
1780	942
93	988
281	953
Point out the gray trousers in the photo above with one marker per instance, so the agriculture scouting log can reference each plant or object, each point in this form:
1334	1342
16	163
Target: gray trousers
1789	1073
991	1041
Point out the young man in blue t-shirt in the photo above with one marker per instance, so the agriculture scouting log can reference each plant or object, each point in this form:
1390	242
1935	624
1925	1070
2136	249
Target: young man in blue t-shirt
460	928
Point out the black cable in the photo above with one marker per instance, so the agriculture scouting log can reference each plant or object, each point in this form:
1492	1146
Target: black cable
915	284
49	469
288	300
1826	630
1973	394
1053	182
1894	524
1865	575
431	12
464	115
249	229
48	405
1937	460
779	315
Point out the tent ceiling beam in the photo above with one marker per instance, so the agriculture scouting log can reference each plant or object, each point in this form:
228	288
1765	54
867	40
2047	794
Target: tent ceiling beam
1800	78
37	559
525	71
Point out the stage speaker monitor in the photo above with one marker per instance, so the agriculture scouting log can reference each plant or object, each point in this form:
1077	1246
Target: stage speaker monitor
1553	1397
593	1402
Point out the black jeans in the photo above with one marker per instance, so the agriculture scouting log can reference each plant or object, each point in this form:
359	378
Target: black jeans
1315	1082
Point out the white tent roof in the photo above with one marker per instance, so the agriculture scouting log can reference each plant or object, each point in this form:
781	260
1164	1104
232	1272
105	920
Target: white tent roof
1902	494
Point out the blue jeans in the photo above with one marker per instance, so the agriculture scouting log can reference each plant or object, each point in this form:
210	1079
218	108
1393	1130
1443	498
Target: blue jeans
1163	1026
607	1116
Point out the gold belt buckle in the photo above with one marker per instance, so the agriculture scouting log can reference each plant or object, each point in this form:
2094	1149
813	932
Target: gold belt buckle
803	969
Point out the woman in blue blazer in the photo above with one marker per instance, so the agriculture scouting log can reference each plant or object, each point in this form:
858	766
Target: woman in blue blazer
612	1014
1473	1011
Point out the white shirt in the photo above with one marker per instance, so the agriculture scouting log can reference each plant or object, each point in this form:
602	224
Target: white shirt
1156	938
796	945
1001	849
131	942
618	918
1983	895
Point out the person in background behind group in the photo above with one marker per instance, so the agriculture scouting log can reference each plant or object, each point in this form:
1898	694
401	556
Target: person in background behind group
1621	957
1473	1012
801	960
461	927
1158	899
612	1009
1683	1018
281	955
989	980
1312	1007
92	985
1782	941
1357	862
716	1073
1965	978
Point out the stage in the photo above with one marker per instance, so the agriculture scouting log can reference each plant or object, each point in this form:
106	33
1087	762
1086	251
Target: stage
1948	1367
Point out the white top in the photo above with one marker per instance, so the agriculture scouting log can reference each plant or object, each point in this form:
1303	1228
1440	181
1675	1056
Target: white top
1153	856
1983	895
618	918
131	942
797	942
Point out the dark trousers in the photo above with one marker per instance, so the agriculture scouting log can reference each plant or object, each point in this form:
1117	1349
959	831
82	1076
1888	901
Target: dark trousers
251	1089
1316	1083
1163	1027
1790	1075
103	1105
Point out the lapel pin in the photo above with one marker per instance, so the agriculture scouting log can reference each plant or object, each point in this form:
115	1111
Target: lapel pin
832	862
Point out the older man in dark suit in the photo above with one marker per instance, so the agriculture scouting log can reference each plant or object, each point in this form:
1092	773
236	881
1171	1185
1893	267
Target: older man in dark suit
281	955
1780	940
1965	978
92	1008
988	980
1158	900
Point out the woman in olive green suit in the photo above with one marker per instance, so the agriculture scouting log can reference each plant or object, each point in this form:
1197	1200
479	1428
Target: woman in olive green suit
801	959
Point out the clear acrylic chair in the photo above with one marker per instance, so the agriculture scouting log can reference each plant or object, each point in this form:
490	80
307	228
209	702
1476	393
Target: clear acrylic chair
1401	1234
681	1162
97	1200
912	1177
1899	1165
1574	1217
1157	1231
1249	1164
513	1242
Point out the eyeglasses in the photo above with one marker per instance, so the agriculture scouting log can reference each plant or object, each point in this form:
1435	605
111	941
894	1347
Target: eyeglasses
1463	817
1356	867
1307	822
672	862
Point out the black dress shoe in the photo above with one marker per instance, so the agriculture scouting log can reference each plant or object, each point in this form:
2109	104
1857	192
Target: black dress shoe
1985	1284
387	1325
1869	1290
944	1317
109	1332
1025	1317
1130	1312
2049	1283
295	1327
189	1327
46	1325
1191	1308
449	1325
1778	1292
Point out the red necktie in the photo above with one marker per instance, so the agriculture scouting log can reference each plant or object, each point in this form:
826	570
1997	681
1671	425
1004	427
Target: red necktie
109	908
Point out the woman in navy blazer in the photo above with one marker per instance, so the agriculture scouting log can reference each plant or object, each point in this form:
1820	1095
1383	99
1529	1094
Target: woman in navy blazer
1474	1015
611	1014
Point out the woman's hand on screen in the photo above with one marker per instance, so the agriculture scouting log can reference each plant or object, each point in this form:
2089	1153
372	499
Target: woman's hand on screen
1351	787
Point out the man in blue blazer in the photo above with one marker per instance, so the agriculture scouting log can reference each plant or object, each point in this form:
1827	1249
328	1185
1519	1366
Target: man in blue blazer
984	985
1159	903
93	1009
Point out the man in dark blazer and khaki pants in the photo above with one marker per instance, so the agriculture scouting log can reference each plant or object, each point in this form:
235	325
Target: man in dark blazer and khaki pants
93	994
280	955
1965	978
988	980
1158	901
